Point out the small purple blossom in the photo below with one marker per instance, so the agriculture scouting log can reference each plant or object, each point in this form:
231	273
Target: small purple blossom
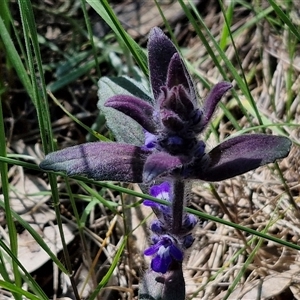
164	242
164	212
189	222
164	251
161	191
188	241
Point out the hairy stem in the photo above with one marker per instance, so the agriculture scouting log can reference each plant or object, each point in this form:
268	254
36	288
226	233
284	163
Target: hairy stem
177	205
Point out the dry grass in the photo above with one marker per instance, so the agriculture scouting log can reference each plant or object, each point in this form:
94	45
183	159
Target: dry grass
258	199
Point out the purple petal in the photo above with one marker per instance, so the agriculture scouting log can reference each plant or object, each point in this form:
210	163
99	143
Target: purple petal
161	263
151	203
100	161
161	191
150	140
240	155
152	250
160	163
212	100
189	222
176	253
160	52
134	107
157	227
188	241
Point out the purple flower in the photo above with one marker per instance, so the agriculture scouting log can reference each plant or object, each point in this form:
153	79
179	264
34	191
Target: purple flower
165	244
164	212
171	125
165	250
161	191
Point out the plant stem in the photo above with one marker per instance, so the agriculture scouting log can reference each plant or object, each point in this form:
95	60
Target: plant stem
177	205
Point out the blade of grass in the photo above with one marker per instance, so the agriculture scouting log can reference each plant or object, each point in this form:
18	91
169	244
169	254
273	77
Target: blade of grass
37	238
73	75
211	53
253	254
16	290
253	21
32	283
109	204
146	196
285	19
12	232
250	98
3	269
90	33
110	271
87	128
14	58
240	81
221	270
195	212
174	40
105	11
225	31
40	100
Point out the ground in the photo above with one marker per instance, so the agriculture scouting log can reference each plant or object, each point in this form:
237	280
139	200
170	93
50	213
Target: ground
266	200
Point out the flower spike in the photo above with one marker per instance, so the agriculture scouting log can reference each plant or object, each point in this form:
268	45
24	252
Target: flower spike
171	127
170	152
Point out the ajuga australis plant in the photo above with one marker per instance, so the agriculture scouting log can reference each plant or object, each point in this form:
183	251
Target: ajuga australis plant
172	153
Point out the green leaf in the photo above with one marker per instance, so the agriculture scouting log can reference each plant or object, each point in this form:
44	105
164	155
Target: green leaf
15	289
125	129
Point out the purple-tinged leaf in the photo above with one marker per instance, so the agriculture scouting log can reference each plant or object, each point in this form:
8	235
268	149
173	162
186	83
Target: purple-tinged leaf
160	52
100	161
178	75
124	128
171	120
161	163
240	155
134	107
177	100
212	100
